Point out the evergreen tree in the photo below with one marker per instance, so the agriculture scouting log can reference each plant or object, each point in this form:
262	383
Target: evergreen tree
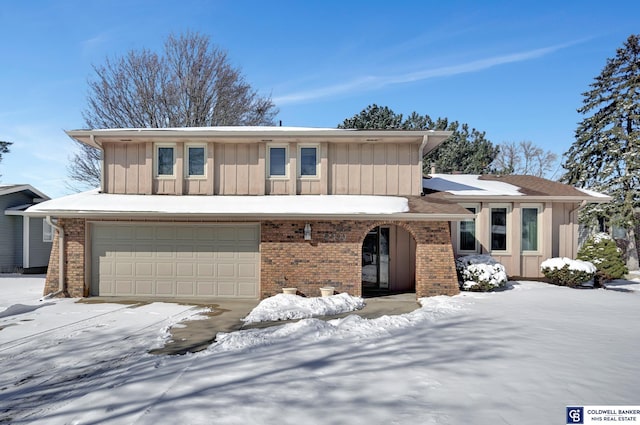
466	151
605	155
4	148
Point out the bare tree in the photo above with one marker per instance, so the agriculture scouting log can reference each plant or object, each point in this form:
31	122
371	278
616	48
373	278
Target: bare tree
525	158
190	84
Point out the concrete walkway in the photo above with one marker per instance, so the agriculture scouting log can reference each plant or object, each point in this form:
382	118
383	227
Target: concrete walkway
226	315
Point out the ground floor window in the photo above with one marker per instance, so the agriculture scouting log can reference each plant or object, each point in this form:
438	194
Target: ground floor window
499	228
529	241
467	241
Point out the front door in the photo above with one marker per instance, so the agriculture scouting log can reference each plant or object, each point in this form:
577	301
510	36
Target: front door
375	259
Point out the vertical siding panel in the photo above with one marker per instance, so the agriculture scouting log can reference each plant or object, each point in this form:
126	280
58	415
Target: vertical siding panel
379	172
293	169
230	169
146	172
324	168
108	163
354	168
218	169
404	170
242	172
366	169
261	177
120	168
416	170
178	182
392	169
131	168
210	160
342	169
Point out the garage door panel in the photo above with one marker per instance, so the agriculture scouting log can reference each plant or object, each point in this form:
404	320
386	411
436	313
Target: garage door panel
185	288
205	289
124	287
185	270
165	270
175	260
144	287
165	287
205	270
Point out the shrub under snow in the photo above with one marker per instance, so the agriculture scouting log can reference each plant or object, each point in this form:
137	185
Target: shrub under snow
567	272
480	273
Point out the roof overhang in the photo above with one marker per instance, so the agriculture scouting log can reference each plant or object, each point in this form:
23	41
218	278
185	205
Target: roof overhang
95	205
6	190
429	139
525	198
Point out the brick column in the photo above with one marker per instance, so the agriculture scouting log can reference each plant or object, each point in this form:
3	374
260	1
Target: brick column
74	231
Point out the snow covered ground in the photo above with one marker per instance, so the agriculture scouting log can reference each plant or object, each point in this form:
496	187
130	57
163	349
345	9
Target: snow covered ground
517	356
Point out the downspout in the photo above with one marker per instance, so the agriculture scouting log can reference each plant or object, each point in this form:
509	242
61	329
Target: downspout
61	277
574	214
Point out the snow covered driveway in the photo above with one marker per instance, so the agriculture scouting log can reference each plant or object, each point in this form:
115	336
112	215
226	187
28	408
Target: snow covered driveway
512	357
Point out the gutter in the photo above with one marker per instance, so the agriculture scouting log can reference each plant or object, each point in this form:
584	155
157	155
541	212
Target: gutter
61	277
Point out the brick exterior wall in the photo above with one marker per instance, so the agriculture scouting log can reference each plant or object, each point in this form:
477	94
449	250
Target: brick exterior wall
332	258
74	232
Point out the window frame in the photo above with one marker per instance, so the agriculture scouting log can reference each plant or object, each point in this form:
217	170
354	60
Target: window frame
284	146
508	228
539	215
47	231
156	159
315	146
476	249
188	176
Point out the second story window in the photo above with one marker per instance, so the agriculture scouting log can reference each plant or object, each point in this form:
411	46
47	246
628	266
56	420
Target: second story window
308	160
278	159
165	161
196	160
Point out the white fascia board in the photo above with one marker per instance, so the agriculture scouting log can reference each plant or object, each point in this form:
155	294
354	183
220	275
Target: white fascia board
527	198
251	216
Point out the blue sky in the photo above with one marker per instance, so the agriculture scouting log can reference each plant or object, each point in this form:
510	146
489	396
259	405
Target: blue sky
513	69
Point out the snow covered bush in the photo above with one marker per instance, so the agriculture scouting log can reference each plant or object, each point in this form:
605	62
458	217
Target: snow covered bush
480	273
601	250
567	272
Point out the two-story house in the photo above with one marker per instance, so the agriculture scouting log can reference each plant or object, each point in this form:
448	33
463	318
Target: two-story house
246	211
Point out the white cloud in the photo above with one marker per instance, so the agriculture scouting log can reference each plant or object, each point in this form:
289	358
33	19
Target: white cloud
376	82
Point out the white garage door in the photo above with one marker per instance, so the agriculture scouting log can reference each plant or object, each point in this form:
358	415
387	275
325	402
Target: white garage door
174	260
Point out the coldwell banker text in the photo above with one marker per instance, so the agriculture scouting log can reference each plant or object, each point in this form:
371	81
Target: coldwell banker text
599	414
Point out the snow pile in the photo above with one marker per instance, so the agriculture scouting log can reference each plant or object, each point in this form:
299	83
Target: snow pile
352	327
574	265
287	307
480	273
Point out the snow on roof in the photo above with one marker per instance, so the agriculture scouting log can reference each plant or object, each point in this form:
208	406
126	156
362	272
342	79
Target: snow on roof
469	185
12	188
95	202
593	193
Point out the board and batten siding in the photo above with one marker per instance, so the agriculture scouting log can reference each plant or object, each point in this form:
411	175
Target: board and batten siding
241	169
128	168
375	169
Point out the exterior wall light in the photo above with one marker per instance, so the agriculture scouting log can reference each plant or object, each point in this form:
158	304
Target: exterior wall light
307	232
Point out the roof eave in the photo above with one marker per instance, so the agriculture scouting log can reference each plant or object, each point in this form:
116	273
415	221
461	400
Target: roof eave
527	198
402	216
